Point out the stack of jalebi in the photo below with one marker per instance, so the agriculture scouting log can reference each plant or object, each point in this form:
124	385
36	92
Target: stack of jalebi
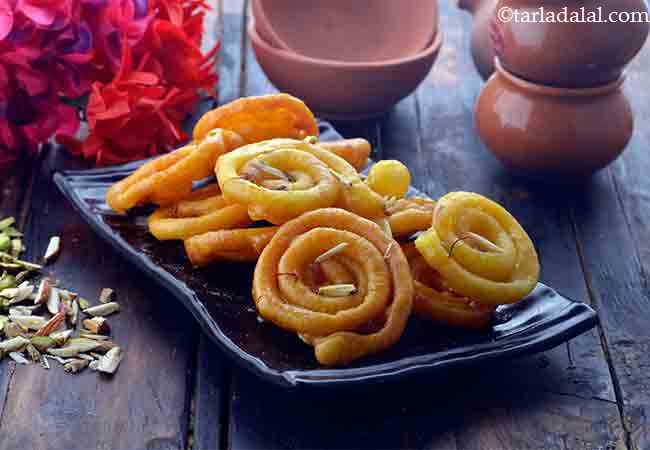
342	260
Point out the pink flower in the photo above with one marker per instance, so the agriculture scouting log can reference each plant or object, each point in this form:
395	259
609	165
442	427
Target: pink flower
6	19
51	14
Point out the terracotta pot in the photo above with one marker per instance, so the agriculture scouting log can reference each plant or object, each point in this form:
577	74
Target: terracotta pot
339	89
540	129
344	30
563	53
481	46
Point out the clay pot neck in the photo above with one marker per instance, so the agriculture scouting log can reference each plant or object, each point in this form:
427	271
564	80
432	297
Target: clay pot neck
554	91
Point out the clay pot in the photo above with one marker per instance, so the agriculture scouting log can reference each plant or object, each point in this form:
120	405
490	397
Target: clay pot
481	46
568	54
540	129
350	31
340	89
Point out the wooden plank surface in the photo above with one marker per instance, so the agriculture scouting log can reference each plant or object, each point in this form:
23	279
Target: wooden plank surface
561	399
612	215
146	405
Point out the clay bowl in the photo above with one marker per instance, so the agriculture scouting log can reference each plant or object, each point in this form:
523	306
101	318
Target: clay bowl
350	31
481	46
536	129
568	54
344	90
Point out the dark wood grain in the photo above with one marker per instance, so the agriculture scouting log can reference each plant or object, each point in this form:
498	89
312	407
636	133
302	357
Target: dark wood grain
612	215
146	405
561	399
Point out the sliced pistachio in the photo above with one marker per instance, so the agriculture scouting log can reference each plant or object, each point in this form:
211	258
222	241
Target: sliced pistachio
17	294
7	281
74	347
97	325
83	303
51	325
331	252
53	301
97	337
6	222
42	343
102	310
5	242
111	360
76	365
106	295
14	344
33	353
73	314
17	247
104	346
337	290
12	330
29	322
18	357
43	291
22	310
3	321
8	258
53	248
61	337
85	356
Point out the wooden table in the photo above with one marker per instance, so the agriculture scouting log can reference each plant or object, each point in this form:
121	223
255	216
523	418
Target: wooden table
175	390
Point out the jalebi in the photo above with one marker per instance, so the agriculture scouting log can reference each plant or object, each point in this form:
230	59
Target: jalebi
244	244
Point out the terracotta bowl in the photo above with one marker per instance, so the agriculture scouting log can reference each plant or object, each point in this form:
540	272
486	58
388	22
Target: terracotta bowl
344	90
568	54
344	30
481	46
538	129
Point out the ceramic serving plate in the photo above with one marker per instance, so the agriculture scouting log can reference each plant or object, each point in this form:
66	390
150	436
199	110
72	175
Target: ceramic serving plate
219	297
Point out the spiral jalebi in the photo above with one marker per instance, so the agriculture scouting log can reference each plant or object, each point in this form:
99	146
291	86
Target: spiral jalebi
380	300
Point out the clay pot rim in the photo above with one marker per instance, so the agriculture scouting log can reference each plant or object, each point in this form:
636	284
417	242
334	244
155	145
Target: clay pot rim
555	91
431	49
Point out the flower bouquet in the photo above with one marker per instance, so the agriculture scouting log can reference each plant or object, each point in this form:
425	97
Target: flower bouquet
133	69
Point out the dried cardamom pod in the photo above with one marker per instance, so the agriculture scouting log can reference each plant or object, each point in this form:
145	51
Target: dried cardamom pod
111	360
102	310
97	325
42	343
74	347
106	295
14	344
76	365
96	337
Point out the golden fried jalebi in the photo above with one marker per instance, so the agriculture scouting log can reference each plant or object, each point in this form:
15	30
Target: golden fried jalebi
228	245
346	321
260	118
479	249
433	301
188	218
354	151
169	178
410	215
280	179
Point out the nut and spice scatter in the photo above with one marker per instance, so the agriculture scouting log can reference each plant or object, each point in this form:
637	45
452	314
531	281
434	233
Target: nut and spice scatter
35	311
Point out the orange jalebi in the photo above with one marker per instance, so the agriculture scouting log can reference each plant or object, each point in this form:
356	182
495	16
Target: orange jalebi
244	244
379	304
169	178
354	151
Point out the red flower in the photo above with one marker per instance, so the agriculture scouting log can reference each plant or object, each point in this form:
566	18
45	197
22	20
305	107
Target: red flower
52	14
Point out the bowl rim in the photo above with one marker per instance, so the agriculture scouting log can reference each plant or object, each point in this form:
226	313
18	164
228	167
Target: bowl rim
257	7
433	48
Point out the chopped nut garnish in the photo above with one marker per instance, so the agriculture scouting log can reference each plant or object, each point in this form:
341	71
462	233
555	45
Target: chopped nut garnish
14	344
76	365
96	337
83	303
42	343
111	360
102	310
337	290
61	337
18	357
16	247
33	353
104	346
53	301
12	330
106	295
51	325
97	325
74	347
53	249
29	322
331	252
43	292
86	357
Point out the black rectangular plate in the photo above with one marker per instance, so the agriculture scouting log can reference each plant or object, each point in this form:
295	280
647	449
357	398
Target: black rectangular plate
219	298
